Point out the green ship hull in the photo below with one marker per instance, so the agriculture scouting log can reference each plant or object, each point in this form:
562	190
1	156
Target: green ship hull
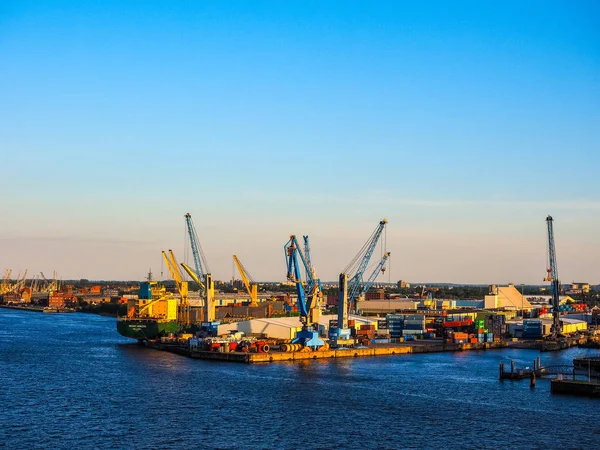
146	328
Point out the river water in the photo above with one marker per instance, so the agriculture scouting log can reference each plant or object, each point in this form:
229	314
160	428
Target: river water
70	381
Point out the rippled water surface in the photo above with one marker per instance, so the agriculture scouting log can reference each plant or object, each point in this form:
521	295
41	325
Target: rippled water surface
70	381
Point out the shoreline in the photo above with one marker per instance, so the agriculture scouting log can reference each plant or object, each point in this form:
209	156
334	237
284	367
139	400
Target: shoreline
42	308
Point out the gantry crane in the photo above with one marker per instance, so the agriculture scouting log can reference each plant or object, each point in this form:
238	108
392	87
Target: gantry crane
308	302
202	274
351	280
553	278
183	314
249	283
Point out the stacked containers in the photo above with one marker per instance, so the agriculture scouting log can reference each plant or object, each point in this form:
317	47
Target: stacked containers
480	331
395	325
414	324
496	324
366	332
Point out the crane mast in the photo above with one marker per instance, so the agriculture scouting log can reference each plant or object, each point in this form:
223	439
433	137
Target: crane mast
202	274
553	279
249	283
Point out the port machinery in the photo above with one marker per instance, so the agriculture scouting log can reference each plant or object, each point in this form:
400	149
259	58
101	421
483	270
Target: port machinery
249	283
352	286
202	277
552	277
308	293
183	313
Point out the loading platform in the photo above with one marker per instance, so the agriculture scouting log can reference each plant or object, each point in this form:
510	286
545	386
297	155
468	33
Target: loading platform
575	387
358	352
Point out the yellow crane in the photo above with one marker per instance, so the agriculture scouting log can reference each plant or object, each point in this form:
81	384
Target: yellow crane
20	284
208	292
6	282
182	287
251	286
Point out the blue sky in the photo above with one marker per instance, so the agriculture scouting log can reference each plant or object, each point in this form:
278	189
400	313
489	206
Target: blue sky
463	123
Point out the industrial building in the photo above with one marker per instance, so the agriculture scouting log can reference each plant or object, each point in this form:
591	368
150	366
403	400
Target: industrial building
506	297
386	306
277	328
538	328
286	327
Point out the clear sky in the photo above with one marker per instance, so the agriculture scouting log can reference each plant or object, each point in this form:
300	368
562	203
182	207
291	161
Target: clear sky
463	123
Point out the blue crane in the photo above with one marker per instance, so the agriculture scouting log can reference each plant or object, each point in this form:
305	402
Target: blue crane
306	298
357	267
553	278
202	273
351	279
199	259
379	268
312	279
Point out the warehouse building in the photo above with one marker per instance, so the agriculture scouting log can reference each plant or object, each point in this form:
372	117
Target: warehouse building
276	328
537	328
386	306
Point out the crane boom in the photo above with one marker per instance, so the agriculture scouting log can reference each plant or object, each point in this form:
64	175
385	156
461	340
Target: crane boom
193	275
173	267
307	251
313	282
307	304
249	283
356	268
380	267
313	290
203	275
351	278
553	278
182	287
293	274
197	253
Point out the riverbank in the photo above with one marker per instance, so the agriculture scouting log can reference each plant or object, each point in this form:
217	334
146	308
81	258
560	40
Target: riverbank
103	309
24	308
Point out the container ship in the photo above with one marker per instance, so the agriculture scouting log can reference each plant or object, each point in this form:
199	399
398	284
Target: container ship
152	315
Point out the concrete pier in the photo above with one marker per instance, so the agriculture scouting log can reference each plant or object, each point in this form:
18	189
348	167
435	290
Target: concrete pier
575	387
278	356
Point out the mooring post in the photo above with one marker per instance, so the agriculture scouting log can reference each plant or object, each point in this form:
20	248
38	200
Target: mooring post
501	369
512	367
532	380
539	362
